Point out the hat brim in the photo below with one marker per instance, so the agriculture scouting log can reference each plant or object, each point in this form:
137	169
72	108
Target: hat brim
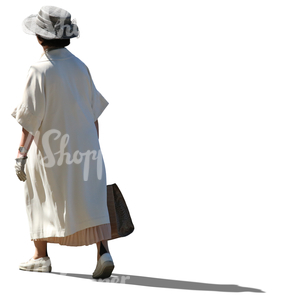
30	27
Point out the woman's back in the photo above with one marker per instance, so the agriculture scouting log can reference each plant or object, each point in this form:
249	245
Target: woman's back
66	172
70	102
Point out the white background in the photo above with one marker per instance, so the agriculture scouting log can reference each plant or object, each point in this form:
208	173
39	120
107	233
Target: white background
201	135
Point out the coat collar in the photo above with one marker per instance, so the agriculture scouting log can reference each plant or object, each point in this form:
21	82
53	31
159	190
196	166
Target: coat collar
56	54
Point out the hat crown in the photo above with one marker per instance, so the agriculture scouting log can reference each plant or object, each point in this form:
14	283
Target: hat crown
54	15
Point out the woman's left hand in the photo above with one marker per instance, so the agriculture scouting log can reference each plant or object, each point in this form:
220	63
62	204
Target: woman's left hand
19	167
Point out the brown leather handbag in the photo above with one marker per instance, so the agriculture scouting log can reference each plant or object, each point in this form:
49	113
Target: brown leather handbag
120	220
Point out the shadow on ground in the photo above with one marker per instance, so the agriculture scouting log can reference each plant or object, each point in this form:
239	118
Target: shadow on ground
166	283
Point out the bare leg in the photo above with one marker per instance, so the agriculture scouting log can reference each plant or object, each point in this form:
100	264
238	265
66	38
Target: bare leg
105	244
40	249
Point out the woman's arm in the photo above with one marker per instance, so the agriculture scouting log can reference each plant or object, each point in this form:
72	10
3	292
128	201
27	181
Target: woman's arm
97	128
26	140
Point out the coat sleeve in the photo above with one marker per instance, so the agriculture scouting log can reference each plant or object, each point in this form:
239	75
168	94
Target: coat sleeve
98	102
30	112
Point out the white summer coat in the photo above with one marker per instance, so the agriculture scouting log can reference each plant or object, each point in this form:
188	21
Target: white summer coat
65	190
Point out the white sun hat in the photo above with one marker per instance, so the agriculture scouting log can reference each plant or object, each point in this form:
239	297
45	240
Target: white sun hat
51	23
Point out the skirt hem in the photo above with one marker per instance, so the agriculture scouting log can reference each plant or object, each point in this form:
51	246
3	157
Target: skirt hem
83	237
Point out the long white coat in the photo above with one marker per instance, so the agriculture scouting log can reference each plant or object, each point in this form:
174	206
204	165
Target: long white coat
65	190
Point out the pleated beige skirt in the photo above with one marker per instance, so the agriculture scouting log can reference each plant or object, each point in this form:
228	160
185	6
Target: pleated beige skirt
83	237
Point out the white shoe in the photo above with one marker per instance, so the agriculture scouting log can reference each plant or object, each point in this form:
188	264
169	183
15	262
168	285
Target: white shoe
104	266
42	264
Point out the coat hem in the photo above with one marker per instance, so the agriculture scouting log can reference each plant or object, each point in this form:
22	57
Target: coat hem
38	234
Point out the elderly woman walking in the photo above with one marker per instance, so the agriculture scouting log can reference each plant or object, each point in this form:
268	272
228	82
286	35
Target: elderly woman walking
59	157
